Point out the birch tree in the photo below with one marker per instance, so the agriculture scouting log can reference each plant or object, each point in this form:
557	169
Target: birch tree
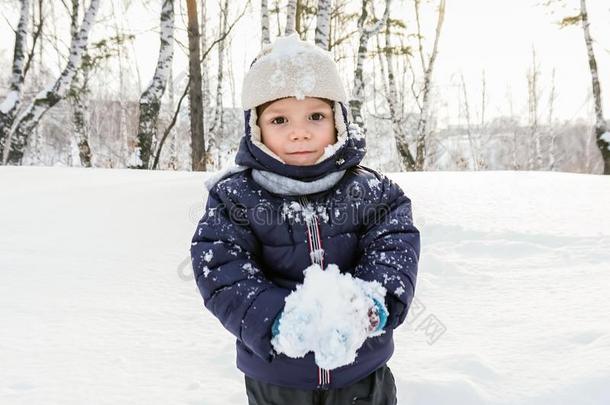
8	108
206	93
364	34
323	24
79	118
173	145
94	58
534	149
218	124
410	159
602	135
395	105
77	97
291	11
150	100
47	98
600	129
265	38
38	19
428	69
514	164
474	149
553	134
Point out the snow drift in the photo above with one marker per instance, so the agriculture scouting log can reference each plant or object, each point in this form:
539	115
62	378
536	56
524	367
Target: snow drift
98	303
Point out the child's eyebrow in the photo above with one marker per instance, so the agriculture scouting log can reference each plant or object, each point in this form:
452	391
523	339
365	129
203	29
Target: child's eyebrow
279	111
272	111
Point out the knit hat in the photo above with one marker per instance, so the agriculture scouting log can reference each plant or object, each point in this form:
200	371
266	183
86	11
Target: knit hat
291	67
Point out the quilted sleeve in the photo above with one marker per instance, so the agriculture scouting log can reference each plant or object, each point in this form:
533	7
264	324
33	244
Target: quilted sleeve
390	249
231	283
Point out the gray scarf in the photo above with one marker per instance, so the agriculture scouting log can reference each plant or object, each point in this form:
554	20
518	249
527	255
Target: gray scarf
278	184
283	185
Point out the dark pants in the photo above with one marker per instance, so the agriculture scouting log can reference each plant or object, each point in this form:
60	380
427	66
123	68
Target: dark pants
378	388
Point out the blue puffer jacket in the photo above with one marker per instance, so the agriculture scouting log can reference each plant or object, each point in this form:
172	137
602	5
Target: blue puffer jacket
251	246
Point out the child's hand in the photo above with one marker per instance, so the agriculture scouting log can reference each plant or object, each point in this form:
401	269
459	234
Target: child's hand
373	319
294	341
275	328
378	316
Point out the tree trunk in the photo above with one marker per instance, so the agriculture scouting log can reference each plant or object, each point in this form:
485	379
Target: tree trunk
357	100
358	90
9	107
291	10
474	150
552	132
150	100
78	100
47	98
205	75
396	111
217	126
36	34
601	133
534	156
173	146
265	23
323	23
422	124
198	162
79	117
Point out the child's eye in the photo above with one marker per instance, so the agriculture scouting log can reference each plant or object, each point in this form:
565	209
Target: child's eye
318	115
277	118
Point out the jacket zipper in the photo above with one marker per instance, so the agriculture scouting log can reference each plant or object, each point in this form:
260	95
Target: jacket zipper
316	253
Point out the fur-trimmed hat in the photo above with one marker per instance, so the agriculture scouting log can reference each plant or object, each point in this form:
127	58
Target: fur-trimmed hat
291	67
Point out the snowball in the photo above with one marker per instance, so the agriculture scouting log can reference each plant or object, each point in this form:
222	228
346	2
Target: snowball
327	314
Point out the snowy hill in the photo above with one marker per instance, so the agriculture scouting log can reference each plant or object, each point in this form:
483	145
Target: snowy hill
98	303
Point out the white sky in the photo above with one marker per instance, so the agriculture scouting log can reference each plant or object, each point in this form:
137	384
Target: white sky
498	36
492	35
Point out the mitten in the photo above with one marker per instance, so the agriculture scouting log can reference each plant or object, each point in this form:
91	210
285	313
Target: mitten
293	341
378	316
275	328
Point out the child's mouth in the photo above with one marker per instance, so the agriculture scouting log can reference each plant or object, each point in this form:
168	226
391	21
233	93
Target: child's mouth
301	153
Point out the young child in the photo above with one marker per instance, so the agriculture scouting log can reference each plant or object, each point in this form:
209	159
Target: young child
298	196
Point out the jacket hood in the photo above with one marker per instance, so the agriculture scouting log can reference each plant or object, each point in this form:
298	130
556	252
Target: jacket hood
350	153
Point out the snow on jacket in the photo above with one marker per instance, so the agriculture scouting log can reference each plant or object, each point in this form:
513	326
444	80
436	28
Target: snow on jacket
251	246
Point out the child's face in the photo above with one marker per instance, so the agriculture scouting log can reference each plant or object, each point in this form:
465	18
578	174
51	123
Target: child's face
298	130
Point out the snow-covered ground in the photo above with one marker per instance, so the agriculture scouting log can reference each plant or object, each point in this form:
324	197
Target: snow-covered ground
98	304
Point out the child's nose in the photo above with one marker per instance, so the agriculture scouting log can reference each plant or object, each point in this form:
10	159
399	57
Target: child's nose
299	133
